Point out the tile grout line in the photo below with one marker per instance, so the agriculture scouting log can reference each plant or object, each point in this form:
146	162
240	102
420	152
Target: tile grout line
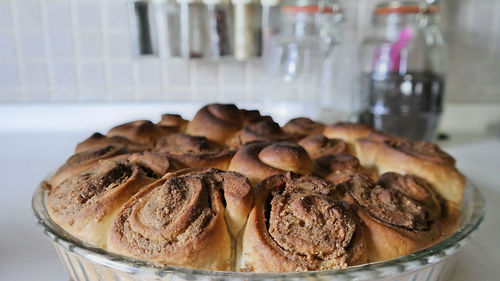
48	56
17	42
105	48
76	49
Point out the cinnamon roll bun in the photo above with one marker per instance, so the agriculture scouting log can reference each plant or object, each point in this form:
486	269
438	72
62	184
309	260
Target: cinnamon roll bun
259	160
85	204
367	147
193	151
183	219
84	160
339	167
397	225
216	122
141	131
295	225
260	130
173	123
346	131
419	158
98	140
319	145
422	192
220	122
302	127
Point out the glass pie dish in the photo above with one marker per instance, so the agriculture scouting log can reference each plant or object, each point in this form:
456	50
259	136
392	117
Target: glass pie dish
85	262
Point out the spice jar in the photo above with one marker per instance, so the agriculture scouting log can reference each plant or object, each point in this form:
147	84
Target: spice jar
403	70
167	27
141	12
246	28
219	24
192	18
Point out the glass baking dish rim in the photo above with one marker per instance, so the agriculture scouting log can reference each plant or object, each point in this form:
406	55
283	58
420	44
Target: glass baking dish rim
407	263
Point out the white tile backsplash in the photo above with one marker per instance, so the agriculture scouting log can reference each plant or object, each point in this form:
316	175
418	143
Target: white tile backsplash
29	15
177	74
9	75
149	73
61	45
64	74
89	55
90	45
233	73
7	46
93	94
10	95
119	46
32	45
92	76
88	14
36	94
5	15
117	15
58	14
35	74
121	95
204	74
59	94
120	75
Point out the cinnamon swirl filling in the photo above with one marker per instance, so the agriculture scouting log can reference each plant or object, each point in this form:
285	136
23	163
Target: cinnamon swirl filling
195	151
184	219
297	226
421	149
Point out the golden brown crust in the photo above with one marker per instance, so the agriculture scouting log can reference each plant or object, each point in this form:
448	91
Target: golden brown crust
140	131
173	122
154	162
397	225
85	204
339	167
302	127
179	220
195	151
259	160
346	131
84	160
221	122
260	130
216	122
425	160
403	212
98	140
319	145
296	226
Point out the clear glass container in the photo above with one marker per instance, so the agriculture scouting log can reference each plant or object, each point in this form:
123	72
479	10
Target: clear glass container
167	21
142	27
340	65
271	15
294	63
85	262
403	64
193	37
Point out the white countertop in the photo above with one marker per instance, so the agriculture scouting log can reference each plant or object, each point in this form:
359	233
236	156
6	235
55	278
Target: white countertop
26	157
